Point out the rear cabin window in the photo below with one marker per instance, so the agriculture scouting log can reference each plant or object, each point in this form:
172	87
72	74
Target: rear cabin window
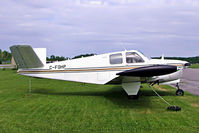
132	57
116	59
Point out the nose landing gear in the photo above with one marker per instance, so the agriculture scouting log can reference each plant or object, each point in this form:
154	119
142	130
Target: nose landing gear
179	91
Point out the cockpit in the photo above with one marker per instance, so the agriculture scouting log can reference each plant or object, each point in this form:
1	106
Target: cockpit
126	57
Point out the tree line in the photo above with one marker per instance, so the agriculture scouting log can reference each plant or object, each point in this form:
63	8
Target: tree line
61	58
192	60
5	57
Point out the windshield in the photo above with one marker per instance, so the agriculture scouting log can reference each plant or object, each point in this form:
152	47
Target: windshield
133	57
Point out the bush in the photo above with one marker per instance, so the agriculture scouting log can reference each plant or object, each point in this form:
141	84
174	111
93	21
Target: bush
14	68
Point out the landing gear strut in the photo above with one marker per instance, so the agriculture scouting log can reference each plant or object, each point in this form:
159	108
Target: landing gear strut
179	91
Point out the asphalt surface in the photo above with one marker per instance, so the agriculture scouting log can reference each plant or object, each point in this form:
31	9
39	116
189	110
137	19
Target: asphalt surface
6	66
190	81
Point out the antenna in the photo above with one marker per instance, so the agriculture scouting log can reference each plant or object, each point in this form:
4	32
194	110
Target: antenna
124	48
122	43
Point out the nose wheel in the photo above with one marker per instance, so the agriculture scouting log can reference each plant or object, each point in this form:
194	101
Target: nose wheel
179	91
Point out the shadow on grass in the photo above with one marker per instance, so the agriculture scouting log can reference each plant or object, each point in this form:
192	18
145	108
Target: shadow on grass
116	95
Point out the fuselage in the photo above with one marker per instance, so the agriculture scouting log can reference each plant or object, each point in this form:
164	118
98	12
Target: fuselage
103	69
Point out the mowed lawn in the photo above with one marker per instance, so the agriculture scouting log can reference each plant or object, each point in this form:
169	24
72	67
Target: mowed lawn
194	66
60	106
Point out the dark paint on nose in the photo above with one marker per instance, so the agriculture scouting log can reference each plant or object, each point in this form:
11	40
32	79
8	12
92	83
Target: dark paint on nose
149	71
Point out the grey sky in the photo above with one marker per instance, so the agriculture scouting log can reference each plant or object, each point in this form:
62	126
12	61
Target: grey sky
72	27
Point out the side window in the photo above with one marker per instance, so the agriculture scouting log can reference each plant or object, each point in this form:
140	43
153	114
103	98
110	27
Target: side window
132	57
116	59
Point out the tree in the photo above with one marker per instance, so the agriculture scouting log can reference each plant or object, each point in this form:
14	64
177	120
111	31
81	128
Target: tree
56	58
52	57
5	56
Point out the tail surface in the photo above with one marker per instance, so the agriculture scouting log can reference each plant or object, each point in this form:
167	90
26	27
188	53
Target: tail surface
25	57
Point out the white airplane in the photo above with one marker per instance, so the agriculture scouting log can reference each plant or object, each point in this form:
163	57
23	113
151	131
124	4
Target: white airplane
128	68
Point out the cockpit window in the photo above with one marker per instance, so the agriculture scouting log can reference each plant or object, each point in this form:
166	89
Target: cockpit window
132	57
116	59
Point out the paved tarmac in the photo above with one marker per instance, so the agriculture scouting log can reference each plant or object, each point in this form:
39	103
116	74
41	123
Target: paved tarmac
6	66
190	81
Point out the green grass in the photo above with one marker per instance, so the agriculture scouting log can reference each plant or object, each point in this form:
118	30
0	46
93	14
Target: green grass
194	66
60	106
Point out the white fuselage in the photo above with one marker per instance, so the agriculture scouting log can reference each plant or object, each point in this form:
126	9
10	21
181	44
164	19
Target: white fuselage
102	69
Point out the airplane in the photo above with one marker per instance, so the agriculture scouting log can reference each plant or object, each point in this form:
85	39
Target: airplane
129	68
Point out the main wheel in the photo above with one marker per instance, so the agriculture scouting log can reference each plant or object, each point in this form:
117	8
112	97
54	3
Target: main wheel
180	92
133	97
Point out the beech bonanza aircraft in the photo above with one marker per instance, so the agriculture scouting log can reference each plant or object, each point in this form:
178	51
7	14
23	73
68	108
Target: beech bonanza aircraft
128	68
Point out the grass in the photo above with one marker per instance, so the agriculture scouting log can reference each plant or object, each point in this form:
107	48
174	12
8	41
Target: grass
194	66
60	106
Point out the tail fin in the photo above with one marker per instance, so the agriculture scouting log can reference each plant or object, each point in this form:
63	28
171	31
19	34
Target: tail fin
25	57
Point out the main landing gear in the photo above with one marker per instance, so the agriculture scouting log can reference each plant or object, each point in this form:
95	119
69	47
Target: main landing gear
133	97
179	91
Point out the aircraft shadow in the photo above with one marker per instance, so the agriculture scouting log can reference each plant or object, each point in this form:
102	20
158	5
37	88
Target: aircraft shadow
116	95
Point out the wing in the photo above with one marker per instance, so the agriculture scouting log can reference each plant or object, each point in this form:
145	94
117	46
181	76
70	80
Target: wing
142	74
149	71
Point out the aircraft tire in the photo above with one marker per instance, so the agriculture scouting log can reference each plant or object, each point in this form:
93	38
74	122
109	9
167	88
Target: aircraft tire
133	97
179	92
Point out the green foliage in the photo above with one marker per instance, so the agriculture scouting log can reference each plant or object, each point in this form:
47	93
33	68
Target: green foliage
56	58
60	106
61	58
192	60
5	56
82	55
